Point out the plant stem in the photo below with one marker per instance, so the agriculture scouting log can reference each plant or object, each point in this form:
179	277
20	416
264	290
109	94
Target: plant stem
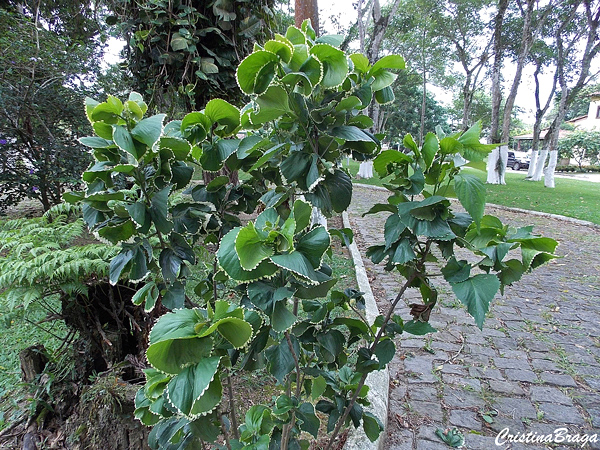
234	423
224	431
285	432
361	383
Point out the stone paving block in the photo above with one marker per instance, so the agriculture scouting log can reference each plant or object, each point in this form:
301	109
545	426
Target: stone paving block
486	373
423	444
590	370
526	376
516	407
424	393
431	410
512	363
490	332
412	343
465	419
561	414
506	387
459	398
536	345
514	425
544	364
472	383
401	440
549	395
455	369
593	382
514	354
504	342
478	349
478	442
558	379
541	355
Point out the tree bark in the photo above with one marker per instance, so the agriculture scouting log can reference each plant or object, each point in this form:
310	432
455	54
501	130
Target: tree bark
307	9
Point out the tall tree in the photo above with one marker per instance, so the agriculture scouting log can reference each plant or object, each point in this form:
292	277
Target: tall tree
307	9
50	55
530	17
580	24
463	25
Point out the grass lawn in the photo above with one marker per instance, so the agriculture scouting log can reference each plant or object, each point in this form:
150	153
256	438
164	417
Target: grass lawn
573	198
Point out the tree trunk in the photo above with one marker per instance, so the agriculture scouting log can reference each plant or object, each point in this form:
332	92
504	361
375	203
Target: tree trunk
539	167
549	172
307	9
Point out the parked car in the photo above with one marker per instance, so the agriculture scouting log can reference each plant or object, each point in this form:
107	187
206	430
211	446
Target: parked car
517	161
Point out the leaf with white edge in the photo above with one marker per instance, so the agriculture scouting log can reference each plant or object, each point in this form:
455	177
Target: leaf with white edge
195	126
339	185
282	319
471	194
123	139
280	48
281	360
229	261
309	420
95	142
295	35
271	105
180	324
237	331
335	64
372	426
350	133
147	295
174	355
180	147
313	70
361	62
90	104
184	390
223	113
250	68
149	130
170	264
383	79
250	247
385	96
302	214
159	210
476	293
118	233
118	263
389	62
314	244
331	39
297	263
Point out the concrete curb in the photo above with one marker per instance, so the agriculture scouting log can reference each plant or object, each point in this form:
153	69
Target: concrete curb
379	382
584	223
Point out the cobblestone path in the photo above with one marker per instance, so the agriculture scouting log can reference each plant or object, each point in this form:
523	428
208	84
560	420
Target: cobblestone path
535	367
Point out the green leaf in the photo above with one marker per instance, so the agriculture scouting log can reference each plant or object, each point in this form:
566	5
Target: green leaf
174	355
471	194
350	133
229	261
159	210
118	233
476	293
314	244
385	351
180	147
282	319
195	126
147	295
386	158
225	114
118	263
418	328
149	130
170	264
403	253
310	422
180	324
250	247
335	64
339	185
271	105
281	360
429	149
383	79
372	426
190	385
361	62
178	42
456	271
297	263
388	62
123	139
473	150
256	71
280	48
96	142
385	96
